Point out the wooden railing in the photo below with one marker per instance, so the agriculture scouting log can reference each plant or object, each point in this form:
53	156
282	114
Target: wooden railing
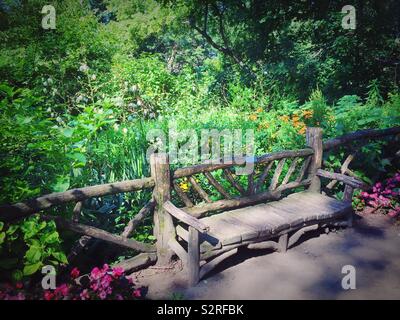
303	169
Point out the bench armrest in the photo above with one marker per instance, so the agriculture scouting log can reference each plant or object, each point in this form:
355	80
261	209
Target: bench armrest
351	181
185	217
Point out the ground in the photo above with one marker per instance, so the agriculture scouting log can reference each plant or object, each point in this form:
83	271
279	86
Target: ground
310	270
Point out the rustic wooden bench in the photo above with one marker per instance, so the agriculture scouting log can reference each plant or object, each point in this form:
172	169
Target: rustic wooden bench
273	216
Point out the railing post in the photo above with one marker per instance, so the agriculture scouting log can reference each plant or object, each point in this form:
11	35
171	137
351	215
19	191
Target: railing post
164	228
314	141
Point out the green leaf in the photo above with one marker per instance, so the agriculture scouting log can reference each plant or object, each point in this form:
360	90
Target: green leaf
17	275
1	225
2	237
50	237
60	256
11	229
34	254
62	184
32	268
67	132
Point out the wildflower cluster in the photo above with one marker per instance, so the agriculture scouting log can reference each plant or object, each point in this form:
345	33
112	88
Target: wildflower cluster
101	284
384	196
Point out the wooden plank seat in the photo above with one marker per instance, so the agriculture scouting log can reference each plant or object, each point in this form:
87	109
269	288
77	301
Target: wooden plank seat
267	220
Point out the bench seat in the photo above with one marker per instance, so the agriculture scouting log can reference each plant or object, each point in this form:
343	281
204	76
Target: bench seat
268	219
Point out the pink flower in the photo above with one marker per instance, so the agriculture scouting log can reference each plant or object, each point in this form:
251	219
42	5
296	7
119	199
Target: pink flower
96	273
75	273
62	289
105	281
105	268
119	297
364	194
48	295
103	295
118	272
136	293
85	295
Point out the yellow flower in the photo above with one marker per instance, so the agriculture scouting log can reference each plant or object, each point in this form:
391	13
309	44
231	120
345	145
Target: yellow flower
253	117
184	186
259	110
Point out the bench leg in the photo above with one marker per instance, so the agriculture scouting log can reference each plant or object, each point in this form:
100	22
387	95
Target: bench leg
193	257
283	242
348	196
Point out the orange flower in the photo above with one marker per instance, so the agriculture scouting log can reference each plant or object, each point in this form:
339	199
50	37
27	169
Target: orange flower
284	118
302	130
259	109
253	117
307	114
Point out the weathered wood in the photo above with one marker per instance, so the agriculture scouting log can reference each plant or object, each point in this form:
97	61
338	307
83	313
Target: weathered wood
297	235
193	256
353	182
199	210
263	176
290	171
227	163
20	210
360	135
182	195
343	170
283	242
228	175
303	168
182	233
277	174
217	185
314	141
264	245
209	266
250	184
348	196
144	212
196	186
182	216
77	211
163	225
136	263
102	234
284	154
180	252
294	184
78	247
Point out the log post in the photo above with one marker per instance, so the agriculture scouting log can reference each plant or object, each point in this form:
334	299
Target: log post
193	256
348	196
163	225
314	141
283	242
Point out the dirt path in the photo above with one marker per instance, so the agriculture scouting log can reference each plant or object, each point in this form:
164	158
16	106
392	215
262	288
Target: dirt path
311	270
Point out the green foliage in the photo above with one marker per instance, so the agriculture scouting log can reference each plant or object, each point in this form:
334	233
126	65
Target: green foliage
29	245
